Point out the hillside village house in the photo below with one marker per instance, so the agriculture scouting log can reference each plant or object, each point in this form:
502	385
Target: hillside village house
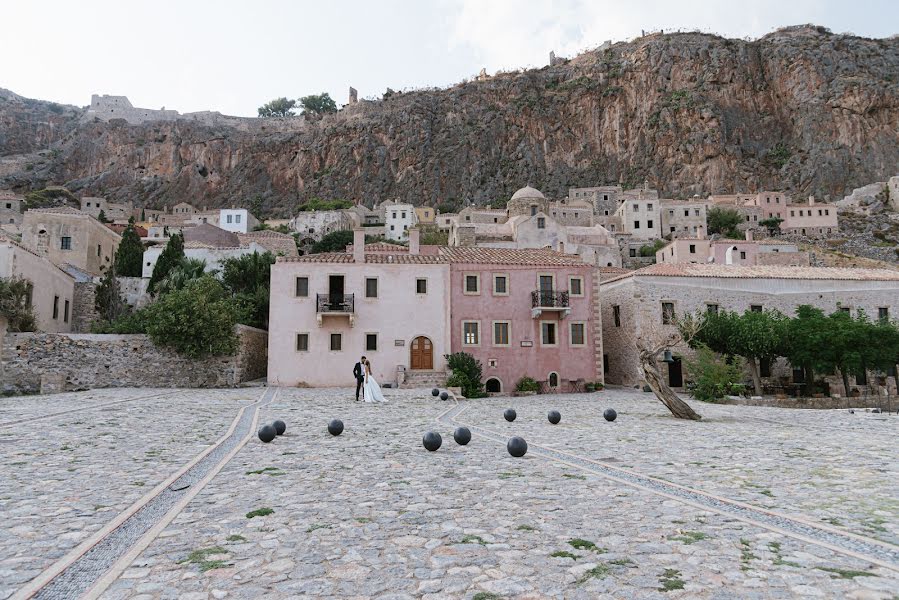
810	219
389	303
725	251
641	302
238	220
66	235
11	212
205	242
525	313
398	220
53	289
425	215
111	211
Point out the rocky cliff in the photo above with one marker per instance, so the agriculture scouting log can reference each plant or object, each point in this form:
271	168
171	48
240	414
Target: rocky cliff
801	109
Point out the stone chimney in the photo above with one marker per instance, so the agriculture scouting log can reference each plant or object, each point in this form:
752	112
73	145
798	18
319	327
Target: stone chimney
748	235
354	95
414	241
359	245
811	200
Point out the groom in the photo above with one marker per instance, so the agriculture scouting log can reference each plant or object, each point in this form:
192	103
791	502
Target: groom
358	373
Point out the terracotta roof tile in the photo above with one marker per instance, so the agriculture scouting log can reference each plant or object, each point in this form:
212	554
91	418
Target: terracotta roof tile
761	272
510	256
273	241
343	257
58	210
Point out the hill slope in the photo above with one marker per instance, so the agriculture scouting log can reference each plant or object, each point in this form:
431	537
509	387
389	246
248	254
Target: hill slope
801	109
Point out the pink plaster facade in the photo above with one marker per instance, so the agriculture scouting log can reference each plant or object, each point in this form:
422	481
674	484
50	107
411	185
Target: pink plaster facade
398	314
811	219
524	354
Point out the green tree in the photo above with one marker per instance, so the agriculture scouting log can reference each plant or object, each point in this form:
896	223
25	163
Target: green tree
129	257
143	216
15	304
714	376
183	273
336	241
319	204
279	107
757	336
170	258
467	372
248	279
884	341
806	333
844	345
108	297
196	321
724	221
102	217
434	237
318	104
772	225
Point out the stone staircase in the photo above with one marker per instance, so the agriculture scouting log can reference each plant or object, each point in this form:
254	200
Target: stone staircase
424	379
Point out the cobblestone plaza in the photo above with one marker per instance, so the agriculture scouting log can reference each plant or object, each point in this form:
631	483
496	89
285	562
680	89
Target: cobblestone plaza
750	502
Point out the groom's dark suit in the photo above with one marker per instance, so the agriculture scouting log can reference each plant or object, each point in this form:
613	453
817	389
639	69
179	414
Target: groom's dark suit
360	378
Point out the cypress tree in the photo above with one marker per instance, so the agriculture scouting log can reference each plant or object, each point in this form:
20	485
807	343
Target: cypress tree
170	258
102	217
130	256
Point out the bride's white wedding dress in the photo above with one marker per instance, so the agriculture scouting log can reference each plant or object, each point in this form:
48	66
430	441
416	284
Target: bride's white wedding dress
371	390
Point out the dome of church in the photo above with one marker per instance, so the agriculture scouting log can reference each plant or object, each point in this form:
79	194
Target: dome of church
527	192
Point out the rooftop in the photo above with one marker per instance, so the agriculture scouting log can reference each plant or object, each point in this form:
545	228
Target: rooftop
470	255
211	236
527	192
761	272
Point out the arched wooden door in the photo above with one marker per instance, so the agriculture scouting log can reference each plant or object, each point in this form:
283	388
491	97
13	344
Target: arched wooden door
422	354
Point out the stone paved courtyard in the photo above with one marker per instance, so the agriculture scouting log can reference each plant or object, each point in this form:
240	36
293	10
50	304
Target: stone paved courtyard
371	514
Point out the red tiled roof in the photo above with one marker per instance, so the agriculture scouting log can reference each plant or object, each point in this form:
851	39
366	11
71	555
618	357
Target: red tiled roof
761	272
343	257
273	241
511	256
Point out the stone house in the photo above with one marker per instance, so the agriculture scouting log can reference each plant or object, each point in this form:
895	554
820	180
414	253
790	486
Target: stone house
445	220
683	218
605	199
11	212
640	217
389	303
279	244
53	289
313	225
66	235
572	213
640	303
525	312
425	215
748	252
111	210
810	219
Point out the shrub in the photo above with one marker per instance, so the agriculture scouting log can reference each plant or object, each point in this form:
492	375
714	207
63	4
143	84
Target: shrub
15	304
527	384
129	257
651	249
724	221
196	321
466	374
170	258
714	377
135	322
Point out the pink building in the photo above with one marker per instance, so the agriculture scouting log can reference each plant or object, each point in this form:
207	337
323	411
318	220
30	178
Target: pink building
747	252
810	219
390	304
525	312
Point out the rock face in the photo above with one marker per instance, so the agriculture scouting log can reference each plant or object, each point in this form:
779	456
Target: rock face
801	110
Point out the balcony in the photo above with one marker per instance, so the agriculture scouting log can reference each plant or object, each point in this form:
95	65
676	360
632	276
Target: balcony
552	301
335	305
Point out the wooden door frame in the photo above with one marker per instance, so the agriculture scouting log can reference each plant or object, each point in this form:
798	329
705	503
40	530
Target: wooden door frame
421	353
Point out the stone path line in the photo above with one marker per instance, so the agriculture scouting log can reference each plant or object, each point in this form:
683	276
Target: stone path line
95	564
87	407
877	552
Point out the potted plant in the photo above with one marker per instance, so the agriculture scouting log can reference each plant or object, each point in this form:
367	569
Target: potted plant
526	386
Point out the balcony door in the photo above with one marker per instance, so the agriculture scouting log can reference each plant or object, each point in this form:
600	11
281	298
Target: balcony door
335	291
545	285
422	354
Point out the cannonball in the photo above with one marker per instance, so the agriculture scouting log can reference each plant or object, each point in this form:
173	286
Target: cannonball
280	427
267	433
335	427
517	447
444	395
431	440
554	417
609	414
462	435
435	392
509	414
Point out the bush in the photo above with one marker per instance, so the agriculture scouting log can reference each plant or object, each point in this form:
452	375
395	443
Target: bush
135	322
714	377
319	204
196	321
651	249
466	374
527	384
724	221
15	304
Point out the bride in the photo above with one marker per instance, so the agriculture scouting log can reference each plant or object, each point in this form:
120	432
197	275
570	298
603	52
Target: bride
371	389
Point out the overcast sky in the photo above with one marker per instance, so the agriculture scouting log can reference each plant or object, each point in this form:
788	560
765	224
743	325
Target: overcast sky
233	56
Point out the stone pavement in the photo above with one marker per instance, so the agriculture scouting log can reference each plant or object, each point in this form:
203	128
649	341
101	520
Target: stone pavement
371	514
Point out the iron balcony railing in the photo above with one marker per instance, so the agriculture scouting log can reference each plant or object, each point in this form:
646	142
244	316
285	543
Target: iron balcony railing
549	299
331	303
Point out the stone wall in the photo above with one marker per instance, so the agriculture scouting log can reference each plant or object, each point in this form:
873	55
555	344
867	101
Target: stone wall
884	403
84	309
95	361
134	291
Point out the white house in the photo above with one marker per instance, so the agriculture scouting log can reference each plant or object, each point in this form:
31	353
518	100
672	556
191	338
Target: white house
398	220
212	255
238	220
